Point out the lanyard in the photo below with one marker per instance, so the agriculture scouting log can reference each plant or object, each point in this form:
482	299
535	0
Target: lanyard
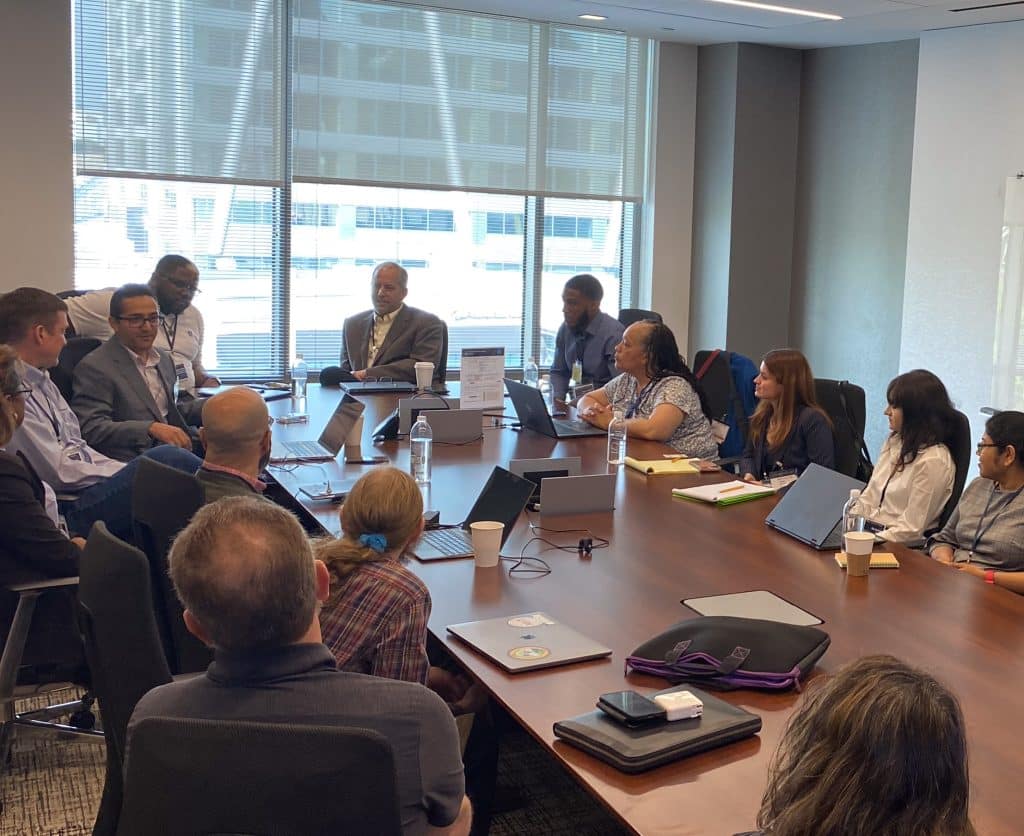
979	532
638	401
885	487
170	333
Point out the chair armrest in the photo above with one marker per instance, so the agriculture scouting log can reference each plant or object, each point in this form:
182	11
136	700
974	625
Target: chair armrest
49	583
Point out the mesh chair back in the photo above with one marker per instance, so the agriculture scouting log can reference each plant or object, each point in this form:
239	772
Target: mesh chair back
627	316
163	502
70	356
210	776
121	644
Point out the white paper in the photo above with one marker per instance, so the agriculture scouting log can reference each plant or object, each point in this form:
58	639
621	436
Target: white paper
481	378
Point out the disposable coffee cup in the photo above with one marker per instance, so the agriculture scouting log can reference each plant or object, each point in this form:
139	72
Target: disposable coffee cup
486	536
858	546
353	443
424	374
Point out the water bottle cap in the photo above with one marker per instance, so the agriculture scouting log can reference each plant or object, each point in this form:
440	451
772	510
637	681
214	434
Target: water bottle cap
855	493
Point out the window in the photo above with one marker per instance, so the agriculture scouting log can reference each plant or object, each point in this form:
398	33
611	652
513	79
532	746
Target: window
289	147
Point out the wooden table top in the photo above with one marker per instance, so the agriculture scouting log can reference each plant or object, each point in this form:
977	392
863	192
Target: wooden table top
967	633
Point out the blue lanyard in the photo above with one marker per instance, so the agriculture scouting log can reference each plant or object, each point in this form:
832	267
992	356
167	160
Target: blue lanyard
638	401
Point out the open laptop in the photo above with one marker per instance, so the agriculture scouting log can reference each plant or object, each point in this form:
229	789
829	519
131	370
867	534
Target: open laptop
331	440
536	470
410	408
577	494
811	510
533	414
502	498
528	641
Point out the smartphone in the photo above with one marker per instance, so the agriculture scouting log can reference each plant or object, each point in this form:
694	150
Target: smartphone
630	708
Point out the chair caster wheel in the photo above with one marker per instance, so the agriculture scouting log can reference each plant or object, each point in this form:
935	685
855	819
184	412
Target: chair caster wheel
83	719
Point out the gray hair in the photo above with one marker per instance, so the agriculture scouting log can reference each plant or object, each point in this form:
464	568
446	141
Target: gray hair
403	274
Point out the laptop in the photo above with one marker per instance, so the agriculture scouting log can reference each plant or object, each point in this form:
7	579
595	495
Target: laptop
456	426
502	498
410	408
378	387
536	470
331	440
577	494
528	641
811	510
533	414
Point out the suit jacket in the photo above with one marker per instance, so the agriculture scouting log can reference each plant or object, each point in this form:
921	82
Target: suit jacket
114	405
415	336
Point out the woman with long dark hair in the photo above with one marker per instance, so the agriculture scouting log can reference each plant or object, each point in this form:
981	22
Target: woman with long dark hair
657	393
913	478
788	430
984	535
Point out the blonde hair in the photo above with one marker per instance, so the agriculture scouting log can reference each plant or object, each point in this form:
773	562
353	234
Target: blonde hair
385	502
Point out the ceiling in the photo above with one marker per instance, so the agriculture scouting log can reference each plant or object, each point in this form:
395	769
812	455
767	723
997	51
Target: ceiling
707	22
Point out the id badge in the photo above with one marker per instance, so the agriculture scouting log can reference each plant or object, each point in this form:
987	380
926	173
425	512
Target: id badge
181	372
779	479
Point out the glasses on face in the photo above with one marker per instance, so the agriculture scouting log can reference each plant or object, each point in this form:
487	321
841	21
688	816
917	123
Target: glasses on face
270	420
981	445
182	284
138	321
22	391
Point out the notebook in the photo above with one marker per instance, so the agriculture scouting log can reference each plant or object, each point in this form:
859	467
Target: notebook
724	493
812	508
659	466
502	498
533	414
331	440
577	494
879	560
528	641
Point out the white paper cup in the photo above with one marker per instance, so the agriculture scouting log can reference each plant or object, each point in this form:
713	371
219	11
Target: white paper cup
353	444
424	374
486	535
858	546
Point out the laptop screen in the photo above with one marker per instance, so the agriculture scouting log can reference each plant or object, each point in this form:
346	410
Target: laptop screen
342	421
502	499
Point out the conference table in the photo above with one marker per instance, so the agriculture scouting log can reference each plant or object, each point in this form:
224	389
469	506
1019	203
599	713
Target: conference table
967	633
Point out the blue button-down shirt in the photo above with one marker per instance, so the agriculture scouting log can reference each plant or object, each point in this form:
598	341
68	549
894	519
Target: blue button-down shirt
594	348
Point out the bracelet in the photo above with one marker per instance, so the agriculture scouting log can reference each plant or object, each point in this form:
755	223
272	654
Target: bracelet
990	576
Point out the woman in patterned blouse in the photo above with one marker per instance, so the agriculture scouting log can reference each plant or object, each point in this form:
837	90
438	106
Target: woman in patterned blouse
656	392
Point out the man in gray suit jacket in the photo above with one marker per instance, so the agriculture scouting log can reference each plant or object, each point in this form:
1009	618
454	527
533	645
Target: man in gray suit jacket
389	340
124	390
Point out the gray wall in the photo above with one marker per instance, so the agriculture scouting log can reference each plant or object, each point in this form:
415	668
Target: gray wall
853	196
36	213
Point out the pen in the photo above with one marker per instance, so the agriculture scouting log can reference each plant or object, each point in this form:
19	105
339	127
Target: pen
730	490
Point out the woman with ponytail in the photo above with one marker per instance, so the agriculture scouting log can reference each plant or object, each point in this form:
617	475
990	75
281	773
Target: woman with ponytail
375	621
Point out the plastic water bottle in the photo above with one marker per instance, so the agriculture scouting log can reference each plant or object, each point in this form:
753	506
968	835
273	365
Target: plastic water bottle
546	392
421	442
531	374
300	375
617	438
853	513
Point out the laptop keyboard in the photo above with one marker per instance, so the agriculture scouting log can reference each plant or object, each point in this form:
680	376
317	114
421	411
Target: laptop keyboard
305	450
449	541
572	425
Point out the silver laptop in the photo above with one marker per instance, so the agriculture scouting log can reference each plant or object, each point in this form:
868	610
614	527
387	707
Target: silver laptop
410	408
528	641
502	498
536	470
533	414
456	426
811	510
577	494
331	440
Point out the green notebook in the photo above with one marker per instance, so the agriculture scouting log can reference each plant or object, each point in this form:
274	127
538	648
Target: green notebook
724	493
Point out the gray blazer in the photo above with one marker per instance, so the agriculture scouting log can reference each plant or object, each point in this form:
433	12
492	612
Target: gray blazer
113	402
414	336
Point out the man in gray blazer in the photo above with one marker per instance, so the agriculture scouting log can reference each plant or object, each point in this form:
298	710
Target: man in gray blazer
389	340
124	390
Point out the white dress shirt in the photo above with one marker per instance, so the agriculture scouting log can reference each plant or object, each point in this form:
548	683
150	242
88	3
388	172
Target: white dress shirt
379	332
149	369
914	496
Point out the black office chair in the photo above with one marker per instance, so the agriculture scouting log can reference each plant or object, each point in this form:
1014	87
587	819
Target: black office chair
163	502
960	448
115	615
441	372
70	356
209	776
627	316
844	404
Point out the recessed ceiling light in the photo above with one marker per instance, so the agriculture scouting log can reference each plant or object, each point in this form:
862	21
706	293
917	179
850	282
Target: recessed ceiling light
592	17
749	4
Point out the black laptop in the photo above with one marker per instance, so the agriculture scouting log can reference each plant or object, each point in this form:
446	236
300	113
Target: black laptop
533	414
502	499
812	508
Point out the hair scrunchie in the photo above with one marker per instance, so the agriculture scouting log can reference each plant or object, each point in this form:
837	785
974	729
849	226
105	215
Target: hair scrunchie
377	542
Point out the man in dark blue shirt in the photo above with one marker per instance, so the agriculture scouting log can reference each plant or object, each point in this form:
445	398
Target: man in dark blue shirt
587	337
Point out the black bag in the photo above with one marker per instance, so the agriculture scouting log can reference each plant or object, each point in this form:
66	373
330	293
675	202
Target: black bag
726	652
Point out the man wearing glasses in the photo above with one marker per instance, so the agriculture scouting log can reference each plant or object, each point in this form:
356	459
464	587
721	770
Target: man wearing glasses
174	283
124	390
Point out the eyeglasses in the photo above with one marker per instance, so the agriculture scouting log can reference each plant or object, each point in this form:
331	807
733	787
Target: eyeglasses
270	420
23	391
138	321
981	445
182	284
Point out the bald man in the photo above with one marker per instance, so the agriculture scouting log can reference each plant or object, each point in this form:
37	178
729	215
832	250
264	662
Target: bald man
236	435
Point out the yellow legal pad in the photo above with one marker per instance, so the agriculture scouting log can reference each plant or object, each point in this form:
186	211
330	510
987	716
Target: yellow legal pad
659	466
879	560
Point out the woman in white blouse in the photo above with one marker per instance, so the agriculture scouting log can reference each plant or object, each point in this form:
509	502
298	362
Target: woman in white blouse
913	479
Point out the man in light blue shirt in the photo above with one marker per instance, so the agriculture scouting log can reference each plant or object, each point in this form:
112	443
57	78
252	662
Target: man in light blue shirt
588	337
32	322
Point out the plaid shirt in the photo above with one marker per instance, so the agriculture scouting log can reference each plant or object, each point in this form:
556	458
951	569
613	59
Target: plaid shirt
378	625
